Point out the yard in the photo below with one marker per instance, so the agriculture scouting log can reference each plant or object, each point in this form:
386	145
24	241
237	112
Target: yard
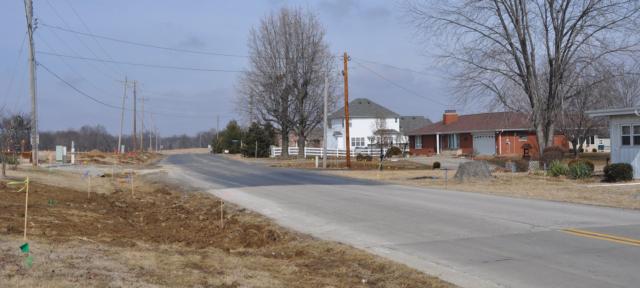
520	184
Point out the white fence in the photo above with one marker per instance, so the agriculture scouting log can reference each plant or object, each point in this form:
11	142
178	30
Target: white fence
309	151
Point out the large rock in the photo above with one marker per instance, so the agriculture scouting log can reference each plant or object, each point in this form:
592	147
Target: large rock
474	170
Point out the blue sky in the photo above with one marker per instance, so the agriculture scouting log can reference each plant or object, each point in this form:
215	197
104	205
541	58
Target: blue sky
368	30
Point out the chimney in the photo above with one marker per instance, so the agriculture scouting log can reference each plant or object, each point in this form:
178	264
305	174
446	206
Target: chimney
449	117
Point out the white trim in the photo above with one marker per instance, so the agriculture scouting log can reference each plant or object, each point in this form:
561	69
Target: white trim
614	112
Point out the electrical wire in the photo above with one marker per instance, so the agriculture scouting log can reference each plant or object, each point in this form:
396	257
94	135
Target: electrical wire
397	67
86	27
15	67
147	45
107	104
71	68
144	44
201	69
55	11
398	85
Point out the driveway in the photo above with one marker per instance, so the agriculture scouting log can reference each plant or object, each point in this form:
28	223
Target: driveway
472	240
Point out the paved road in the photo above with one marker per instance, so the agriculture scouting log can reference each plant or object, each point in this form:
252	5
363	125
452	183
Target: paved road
472	240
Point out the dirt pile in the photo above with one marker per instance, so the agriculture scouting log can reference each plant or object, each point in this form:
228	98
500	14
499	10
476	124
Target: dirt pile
162	216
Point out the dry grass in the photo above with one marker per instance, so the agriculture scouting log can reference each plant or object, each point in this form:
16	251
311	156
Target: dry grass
333	163
514	185
165	237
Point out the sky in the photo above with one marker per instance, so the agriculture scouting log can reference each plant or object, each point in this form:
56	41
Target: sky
375	33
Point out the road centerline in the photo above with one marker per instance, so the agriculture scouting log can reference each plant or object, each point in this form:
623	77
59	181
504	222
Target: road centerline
602	236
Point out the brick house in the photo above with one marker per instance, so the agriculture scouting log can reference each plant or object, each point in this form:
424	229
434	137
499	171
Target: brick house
496	133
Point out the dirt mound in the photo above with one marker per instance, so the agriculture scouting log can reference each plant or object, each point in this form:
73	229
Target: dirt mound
159	216
474	170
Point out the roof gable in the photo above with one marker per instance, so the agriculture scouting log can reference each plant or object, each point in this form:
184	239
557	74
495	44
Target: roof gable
364	108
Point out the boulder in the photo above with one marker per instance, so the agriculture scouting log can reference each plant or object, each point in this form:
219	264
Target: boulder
474	170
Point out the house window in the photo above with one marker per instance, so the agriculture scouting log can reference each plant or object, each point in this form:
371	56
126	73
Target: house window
523	137
357	141
454	141
418	144
626	135
636	135
396	120
593	140
342	123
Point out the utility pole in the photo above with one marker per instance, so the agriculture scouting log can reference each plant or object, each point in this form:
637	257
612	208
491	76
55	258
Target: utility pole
28	7
324	138
217	131
134	135
345	73
142	125
124	96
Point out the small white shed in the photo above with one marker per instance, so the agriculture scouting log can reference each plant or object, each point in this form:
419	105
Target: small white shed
624	130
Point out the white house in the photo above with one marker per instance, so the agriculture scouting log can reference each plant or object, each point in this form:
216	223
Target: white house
370	125
624	132
599	143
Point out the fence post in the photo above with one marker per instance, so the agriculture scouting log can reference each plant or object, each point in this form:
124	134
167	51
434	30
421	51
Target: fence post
305	151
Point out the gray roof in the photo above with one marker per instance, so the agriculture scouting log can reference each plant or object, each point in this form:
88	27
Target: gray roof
410	123
364	108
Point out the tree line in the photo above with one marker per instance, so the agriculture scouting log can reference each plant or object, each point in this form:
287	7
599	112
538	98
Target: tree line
253	141
15	129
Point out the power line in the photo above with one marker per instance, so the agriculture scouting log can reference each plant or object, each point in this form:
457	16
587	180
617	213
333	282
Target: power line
397	67
75	52
55	11
76	89
147	45
86	27
398	85
143	64
110	105
80	75
16	66
144	44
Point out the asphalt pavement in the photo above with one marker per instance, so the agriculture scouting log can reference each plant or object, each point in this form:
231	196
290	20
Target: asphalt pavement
469	239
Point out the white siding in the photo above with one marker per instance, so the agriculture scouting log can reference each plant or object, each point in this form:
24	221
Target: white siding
360	127
624	154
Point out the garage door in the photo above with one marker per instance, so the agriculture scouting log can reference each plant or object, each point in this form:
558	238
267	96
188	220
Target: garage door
484	144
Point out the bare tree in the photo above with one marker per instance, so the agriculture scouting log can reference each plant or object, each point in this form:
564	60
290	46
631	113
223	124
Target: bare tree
531	50
289	60
14	129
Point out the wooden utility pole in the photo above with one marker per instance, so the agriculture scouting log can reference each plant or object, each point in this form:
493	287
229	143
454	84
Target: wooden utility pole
28	7
324	138
134	135
124	96
142	125
345	73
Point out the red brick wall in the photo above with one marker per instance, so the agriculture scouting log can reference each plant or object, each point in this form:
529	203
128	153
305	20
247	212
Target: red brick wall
466	143
428	145
515	146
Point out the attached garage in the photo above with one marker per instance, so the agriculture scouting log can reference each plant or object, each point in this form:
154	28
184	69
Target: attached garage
484	144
